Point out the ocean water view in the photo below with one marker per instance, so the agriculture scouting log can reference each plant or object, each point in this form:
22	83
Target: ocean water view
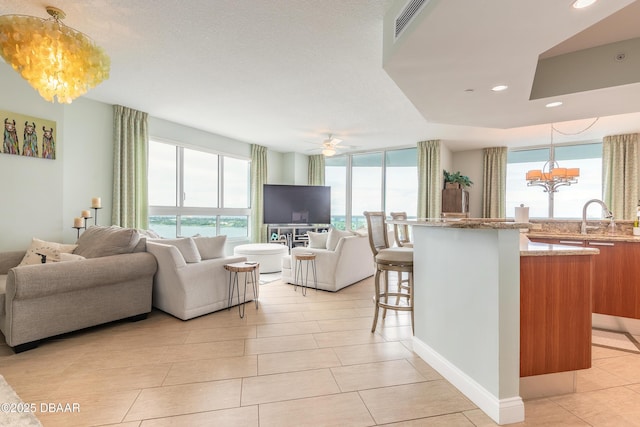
232	227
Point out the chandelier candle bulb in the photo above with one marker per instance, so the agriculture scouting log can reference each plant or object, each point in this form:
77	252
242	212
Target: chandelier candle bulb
96	202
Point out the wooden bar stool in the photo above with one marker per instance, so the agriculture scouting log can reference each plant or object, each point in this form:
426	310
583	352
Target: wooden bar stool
389	259
303	259
249	269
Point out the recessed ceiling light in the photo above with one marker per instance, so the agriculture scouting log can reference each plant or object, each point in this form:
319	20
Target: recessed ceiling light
554	104
581	4
499	88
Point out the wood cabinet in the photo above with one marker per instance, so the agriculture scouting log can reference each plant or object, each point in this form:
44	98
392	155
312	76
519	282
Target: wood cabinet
616	279
455	200
616	275
555	313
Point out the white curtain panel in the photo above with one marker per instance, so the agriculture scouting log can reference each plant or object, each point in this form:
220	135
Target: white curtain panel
620	175
130	146
494	186
429	179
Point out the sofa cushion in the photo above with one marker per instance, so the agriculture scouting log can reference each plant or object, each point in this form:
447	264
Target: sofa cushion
186	246
210	247
70	257
144	235
99	241
317	240
335	236
51	249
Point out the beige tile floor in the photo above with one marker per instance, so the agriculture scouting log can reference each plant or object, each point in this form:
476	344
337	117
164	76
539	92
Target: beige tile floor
297	361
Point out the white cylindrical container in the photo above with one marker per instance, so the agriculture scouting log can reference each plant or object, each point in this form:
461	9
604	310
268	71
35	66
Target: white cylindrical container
522	213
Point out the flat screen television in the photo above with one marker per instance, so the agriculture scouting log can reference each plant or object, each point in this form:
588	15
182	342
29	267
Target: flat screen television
297	204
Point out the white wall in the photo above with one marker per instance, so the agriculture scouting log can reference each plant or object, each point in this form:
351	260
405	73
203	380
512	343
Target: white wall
88	162
470	163
275	167
32	190
296	171
171	131
446	158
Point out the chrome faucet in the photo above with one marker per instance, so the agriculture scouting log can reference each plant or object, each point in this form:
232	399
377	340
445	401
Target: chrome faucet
608	214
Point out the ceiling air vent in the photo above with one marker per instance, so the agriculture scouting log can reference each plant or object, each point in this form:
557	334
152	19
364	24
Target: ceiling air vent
407	14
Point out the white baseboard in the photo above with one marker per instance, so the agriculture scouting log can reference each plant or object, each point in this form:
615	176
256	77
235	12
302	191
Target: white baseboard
502	411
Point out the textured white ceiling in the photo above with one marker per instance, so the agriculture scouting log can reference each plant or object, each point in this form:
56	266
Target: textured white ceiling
285	73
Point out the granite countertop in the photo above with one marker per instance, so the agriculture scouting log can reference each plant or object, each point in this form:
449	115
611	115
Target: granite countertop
585	237
465	223
547	249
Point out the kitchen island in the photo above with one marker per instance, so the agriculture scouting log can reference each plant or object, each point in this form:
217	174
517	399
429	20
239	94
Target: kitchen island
616	276
467	278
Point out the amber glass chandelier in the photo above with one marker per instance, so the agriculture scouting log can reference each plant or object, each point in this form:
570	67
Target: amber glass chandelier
58	61
552	176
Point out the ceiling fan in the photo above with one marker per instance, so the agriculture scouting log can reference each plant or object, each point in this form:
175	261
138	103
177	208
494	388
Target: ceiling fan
329	146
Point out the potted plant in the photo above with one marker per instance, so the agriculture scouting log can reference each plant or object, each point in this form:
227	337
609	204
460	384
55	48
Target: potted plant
456	180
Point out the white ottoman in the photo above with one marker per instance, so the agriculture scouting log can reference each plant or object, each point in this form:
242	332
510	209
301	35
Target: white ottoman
269	255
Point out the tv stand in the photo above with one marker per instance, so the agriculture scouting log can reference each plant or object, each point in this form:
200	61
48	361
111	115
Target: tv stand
293	234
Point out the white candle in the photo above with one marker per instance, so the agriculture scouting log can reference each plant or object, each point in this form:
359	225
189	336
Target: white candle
78	222
86	214
96	202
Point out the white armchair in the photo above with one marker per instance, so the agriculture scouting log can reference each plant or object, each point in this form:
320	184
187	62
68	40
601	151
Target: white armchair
350	262
187	290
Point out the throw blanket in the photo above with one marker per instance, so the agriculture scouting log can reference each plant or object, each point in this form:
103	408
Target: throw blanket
11	409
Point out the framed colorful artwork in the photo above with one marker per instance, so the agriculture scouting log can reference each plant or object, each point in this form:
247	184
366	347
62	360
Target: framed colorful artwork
28	136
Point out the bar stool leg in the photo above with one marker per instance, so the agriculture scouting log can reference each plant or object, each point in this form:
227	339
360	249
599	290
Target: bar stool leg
315	275
306	279
233	281
298	278
377	301
242	303
385	293
255	286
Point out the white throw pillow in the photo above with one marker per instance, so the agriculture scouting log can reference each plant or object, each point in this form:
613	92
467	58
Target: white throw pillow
317	240
335	236
185	245
211	247
52	250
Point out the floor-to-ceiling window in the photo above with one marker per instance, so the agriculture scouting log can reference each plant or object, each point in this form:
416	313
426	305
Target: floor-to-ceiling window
335	171
384	180
567	202
401	182
193	191
366	186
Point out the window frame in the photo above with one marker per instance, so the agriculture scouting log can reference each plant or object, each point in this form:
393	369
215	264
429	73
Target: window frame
349	165
218	212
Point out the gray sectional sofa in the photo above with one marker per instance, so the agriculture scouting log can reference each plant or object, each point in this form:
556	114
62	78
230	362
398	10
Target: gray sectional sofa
110	278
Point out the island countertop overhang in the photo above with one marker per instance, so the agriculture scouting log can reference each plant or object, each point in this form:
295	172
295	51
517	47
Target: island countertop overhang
527	248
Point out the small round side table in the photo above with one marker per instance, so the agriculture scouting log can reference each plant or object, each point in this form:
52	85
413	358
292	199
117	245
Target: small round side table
308	260
250	272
